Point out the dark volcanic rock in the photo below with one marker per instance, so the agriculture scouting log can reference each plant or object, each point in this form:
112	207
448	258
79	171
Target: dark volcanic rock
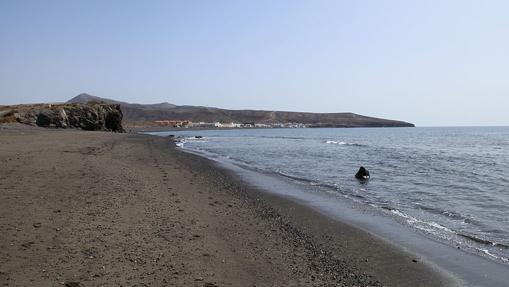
114	120
44	119
90	116
51	118
87	118
362	174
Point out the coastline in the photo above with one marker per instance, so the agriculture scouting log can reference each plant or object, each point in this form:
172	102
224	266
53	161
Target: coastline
459	267
171	129
466	266
372	254
100	208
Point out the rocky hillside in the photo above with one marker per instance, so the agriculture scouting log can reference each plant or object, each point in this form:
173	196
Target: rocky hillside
89	116
138	114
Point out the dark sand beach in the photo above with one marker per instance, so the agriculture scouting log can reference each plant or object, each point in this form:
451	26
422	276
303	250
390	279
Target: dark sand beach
105	209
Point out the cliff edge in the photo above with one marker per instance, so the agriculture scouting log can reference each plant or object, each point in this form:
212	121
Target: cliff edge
90	116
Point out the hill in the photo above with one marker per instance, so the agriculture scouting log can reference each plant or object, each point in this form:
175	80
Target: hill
146	114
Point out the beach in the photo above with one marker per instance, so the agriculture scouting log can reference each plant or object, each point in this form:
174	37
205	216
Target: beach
110	209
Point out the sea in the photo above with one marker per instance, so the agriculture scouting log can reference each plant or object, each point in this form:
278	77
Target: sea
449	183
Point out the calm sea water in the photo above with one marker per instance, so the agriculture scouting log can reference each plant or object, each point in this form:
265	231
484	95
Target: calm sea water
450	183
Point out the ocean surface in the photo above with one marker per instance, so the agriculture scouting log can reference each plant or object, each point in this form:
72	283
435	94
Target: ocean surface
451	184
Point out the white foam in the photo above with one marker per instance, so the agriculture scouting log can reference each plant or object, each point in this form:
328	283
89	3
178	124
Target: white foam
336	142
487	252
195	139
399	213
428	226
436	225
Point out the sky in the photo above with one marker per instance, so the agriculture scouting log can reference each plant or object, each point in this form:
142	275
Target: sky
432	63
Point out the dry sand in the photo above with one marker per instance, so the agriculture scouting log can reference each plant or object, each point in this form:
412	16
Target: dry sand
102	209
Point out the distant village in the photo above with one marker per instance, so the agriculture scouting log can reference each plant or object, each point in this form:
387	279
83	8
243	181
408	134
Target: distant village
232	125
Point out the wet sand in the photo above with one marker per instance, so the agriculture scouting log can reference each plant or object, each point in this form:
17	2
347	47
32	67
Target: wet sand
103	209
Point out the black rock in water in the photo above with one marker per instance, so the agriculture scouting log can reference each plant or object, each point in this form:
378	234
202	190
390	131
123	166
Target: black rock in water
362	174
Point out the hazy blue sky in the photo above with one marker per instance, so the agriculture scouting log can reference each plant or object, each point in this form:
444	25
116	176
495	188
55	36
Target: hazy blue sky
429	62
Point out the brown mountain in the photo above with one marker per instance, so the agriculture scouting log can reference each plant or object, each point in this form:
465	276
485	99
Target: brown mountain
141	114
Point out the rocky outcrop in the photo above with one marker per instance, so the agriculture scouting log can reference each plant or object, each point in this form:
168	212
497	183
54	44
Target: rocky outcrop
362	174
90	116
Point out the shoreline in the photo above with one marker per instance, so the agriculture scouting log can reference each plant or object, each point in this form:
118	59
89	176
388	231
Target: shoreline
452	235
375	255
122	209
463	267
173	129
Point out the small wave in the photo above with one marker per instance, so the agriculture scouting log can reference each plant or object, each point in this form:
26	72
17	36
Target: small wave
332	187
342	143
487	252
305	180
282	137
196	139
448	213
397	212
335	142
438	230
355	195
428	226
484	241
438	226
294	177
182	141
